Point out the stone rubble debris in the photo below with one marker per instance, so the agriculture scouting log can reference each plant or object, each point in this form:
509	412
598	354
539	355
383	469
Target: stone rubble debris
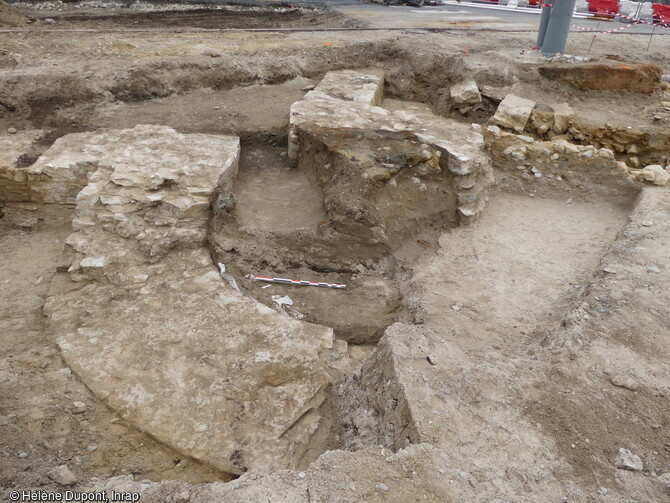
623	381
62	475
282	300
655	174
626	460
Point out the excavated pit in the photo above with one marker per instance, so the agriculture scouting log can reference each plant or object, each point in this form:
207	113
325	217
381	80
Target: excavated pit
281	229
400	214
277	225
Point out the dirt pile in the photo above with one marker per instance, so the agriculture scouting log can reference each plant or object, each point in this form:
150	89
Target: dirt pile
10	17
167	16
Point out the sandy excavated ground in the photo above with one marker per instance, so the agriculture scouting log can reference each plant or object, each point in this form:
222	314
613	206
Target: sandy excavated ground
529	346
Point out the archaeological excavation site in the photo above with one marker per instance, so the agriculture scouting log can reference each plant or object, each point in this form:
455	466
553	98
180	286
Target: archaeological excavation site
478	239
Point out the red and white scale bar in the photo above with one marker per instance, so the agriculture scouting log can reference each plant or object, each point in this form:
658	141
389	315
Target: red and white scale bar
299	282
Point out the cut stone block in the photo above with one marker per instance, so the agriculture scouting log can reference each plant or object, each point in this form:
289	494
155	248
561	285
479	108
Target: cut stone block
14	149
360	86
563	114
514	112
465	93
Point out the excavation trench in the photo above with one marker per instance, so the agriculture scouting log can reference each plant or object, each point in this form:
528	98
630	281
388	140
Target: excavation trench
323	220
379	209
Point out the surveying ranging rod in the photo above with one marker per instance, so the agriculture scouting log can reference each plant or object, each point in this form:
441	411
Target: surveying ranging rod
298	282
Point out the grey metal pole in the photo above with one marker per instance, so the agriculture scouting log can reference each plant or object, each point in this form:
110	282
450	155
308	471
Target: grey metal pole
650	36
556	37
544	21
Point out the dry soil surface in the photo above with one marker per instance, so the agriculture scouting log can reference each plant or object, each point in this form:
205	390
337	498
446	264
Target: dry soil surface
548	247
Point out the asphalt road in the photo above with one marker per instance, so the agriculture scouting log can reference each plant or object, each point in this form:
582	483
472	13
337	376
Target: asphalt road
467	15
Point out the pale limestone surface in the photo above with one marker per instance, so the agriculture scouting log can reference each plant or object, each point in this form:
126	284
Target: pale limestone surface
145	320
159	197
196	364
60	173
362	86
514	112
465	93
563	115
13	179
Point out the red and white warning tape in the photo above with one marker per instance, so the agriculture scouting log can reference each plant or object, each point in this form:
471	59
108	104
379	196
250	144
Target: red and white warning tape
598	32
631	18
584	28
662	25
298	282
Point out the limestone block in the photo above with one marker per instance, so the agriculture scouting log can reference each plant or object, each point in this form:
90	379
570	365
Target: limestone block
378	174
514	112
62	171
351	85
563	114
465	93
13	179
62	475
655	174
496	94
